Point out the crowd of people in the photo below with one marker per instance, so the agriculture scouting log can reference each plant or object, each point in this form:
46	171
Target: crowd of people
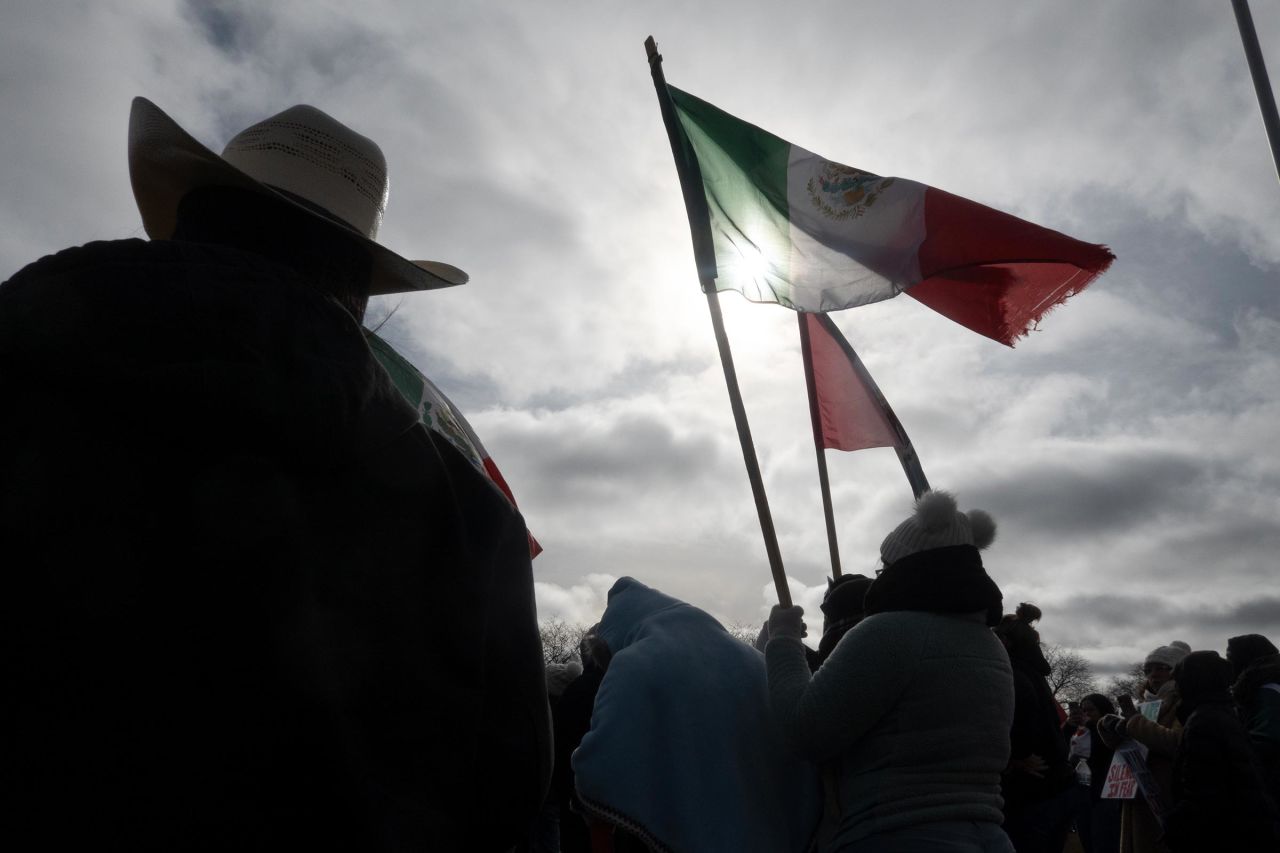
1191	763
260	597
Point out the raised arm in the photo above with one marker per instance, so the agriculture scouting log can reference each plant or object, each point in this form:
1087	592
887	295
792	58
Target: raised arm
822	716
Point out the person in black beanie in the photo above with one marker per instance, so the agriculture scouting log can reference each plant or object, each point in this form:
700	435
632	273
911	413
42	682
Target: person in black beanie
842	608
1219	802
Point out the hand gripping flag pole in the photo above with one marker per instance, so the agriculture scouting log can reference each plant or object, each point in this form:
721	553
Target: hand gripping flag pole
695	203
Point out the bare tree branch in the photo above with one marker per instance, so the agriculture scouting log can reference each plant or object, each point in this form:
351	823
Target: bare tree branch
745	633
1070	674
1129	684
560	640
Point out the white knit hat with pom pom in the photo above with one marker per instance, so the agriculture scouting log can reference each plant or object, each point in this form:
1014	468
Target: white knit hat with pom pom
937	524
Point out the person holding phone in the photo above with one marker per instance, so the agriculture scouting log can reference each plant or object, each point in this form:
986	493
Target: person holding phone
1140	829
1098	820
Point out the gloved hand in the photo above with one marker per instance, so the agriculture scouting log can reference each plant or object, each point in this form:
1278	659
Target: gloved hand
1112	727
787	622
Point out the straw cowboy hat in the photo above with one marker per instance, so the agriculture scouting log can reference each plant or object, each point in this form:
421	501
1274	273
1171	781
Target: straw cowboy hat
302	156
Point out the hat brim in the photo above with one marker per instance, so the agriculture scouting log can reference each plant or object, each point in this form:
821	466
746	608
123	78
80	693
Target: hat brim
166	163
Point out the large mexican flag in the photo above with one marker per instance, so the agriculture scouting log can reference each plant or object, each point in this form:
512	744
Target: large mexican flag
791	227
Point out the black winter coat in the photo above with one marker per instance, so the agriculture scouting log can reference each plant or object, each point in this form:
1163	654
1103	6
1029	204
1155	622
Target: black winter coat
1036	730
249	601
573	721
1219	800
1260	709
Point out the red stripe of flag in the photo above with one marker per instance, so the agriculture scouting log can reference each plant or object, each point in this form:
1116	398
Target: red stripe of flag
853	413
995	273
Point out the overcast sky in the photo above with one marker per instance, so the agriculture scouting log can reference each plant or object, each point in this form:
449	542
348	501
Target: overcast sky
1127	449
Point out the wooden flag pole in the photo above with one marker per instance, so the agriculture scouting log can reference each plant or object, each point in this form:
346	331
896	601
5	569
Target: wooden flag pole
819	446
748	448
695	202
1261	82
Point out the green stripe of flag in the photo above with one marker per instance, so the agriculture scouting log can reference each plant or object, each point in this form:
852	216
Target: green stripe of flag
745	179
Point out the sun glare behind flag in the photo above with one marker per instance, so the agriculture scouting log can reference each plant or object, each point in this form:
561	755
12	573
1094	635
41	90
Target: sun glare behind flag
791	227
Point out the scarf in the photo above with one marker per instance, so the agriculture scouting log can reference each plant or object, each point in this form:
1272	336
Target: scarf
941	580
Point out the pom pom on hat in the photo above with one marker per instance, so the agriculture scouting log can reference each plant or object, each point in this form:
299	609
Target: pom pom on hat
937	523
983	528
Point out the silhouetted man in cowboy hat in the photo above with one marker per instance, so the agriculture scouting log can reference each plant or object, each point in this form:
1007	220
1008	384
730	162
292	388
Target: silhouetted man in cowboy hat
250	601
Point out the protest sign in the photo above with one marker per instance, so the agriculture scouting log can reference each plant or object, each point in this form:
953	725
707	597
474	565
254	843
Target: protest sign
1121	782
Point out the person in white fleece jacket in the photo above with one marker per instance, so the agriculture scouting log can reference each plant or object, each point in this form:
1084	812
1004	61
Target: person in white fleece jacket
912	710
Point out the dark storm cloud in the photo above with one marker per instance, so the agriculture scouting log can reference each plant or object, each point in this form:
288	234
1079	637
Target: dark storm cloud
1240	550
1095	493
1137	623
221	23
1261	614
633	452
1094	611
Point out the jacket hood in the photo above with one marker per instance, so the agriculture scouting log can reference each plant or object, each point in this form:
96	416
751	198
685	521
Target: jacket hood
1203	678
634	608
1246	648
1263	670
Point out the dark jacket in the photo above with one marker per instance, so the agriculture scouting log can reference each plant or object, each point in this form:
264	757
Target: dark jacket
1257	694
1036	731
1219	802
1218	798
250	602
572	722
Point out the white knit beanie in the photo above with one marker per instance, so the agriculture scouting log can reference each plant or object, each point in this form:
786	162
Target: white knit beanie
937	523
1170	655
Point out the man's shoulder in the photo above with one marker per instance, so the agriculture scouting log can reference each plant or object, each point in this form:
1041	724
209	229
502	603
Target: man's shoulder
92	252
164	283
106	256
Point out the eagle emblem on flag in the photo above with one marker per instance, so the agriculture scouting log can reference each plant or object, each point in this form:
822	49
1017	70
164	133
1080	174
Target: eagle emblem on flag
843	192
